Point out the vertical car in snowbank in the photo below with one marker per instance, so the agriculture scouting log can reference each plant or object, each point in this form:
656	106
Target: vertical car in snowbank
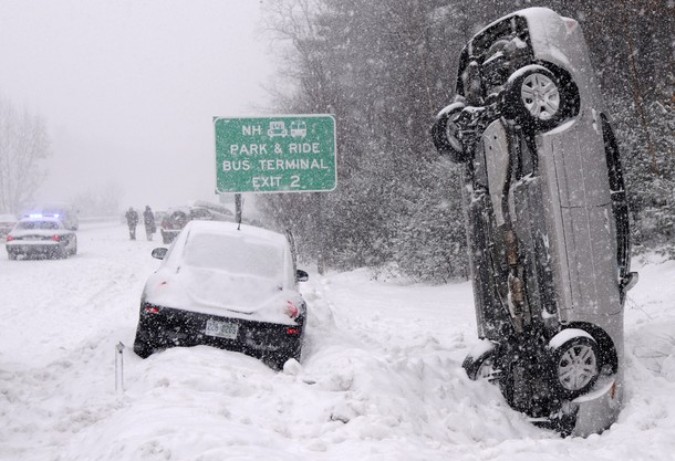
225	285
547	220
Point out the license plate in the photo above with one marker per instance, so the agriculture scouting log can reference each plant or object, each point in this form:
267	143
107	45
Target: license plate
220	329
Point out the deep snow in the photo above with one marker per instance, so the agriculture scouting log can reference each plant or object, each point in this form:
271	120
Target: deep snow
380	378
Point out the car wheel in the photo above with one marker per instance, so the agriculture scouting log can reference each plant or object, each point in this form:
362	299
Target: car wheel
445	133
482	365
11	256
575	360
534	97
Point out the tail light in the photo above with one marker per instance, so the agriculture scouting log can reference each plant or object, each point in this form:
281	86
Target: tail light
292	331
56	238
150	309
10	238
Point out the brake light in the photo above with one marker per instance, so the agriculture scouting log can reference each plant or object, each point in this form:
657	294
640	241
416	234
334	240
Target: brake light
292	331
10	238
150	309
56	238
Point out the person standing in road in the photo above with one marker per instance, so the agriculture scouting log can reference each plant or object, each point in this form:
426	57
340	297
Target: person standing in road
149	221
132	222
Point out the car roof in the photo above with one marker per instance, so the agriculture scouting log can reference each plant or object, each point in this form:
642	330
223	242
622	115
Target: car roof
236	230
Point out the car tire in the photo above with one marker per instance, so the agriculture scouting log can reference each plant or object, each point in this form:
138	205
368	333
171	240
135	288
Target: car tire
445	131
482	366
534	97
575	362
11	255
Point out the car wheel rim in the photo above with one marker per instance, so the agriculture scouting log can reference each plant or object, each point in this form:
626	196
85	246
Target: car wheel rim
577	367
452	133
540	96
486	370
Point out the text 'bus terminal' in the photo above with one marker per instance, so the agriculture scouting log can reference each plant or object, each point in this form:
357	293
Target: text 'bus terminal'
285	153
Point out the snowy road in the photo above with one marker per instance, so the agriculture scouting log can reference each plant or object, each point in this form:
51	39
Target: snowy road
380	378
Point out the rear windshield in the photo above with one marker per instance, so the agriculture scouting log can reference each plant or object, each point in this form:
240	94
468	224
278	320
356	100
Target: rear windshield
235	255
32	225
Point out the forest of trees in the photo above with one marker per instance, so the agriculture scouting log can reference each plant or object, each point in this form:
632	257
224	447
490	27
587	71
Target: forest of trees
24	145
385	68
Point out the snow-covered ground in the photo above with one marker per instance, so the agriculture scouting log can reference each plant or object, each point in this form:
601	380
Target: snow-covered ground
380	378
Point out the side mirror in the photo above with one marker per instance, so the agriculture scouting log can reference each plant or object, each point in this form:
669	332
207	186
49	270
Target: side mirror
301	276
159	253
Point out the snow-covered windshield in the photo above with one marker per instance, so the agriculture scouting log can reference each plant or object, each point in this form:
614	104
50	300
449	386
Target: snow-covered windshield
235	255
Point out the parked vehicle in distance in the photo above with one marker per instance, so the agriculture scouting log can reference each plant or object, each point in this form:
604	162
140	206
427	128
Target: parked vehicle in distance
175	219
228	286
7	223
41	237
547	220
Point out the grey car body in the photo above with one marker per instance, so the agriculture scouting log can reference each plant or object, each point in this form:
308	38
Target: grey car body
547	220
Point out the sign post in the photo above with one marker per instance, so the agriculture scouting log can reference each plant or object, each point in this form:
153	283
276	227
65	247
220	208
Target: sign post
286	153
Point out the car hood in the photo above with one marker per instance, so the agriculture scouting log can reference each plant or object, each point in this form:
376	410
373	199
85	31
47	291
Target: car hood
221	293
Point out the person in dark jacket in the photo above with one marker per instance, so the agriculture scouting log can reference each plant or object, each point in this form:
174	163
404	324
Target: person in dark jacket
149	221
132	222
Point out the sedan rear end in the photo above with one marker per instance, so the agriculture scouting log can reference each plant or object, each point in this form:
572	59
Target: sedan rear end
227	286
46	237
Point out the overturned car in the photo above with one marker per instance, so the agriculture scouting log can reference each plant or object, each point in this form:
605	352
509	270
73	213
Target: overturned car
547	220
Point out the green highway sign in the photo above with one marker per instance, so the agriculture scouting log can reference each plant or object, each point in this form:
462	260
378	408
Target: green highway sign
288	153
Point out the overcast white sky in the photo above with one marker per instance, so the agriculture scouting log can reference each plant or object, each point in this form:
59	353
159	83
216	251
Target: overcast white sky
129	88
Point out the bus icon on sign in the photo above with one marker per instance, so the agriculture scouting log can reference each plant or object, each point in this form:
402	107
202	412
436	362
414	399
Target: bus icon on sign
298	129
277	129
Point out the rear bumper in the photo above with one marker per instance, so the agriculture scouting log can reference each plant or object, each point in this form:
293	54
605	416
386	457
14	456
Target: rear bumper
175	327
48	247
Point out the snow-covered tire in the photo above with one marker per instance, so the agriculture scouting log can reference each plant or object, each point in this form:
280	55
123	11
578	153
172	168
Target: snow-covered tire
534	97
445	133
575	362
481	362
